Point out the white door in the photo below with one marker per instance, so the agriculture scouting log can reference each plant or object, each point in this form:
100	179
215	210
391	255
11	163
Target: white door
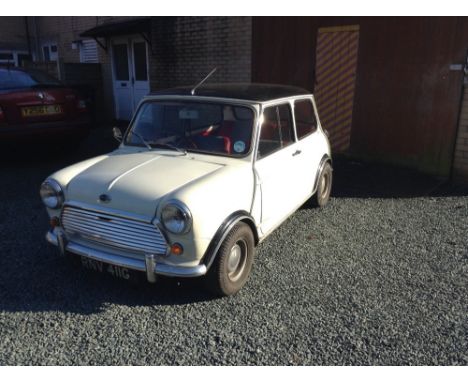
277	166
140	78
122	80
130	74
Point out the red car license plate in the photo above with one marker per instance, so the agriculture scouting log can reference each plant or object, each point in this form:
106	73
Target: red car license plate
34	111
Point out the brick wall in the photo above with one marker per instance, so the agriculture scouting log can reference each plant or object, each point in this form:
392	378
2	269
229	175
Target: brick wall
460	164
185	49
13	33
62	30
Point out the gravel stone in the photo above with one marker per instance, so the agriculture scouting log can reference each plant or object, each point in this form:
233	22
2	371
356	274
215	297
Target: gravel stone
378	277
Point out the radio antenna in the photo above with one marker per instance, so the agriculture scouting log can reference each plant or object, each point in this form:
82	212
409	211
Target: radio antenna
202	81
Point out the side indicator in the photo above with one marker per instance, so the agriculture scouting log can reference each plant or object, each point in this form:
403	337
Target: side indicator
177	249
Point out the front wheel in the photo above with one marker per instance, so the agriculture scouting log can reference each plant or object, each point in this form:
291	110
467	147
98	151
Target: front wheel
233	262
324	185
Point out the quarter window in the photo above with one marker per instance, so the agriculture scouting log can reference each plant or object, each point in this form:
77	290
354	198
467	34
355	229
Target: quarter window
305	118
277	130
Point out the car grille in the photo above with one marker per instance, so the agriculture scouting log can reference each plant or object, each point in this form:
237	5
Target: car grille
127	234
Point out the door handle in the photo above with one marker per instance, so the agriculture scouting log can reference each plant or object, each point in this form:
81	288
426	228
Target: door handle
297	152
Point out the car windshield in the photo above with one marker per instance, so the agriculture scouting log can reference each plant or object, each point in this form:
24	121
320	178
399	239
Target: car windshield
213	128
18	79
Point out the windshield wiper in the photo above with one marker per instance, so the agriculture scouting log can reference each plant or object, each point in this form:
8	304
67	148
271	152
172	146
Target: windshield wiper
151	145
169	146
142	139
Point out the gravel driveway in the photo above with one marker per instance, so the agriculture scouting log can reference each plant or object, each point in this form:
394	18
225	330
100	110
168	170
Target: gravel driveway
380	276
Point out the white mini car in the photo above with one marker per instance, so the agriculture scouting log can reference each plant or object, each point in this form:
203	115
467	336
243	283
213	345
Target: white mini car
199	180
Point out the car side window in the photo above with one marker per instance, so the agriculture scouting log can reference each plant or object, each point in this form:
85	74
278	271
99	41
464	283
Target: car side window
304	115
276	131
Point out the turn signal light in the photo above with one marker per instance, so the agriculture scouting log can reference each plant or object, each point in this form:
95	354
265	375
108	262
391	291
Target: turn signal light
177	249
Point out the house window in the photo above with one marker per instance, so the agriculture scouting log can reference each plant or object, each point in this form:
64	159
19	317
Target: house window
22	57
14	58
46	51
139	57
6	56
88	51
50	52
7	59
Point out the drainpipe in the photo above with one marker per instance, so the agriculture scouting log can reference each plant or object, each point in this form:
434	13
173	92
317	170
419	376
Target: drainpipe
36	38
28	36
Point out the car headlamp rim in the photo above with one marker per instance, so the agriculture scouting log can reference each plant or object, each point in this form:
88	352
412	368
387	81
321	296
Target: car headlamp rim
184	210
57	189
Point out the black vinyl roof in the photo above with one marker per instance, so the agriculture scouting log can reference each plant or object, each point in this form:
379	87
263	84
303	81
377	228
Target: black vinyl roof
243	91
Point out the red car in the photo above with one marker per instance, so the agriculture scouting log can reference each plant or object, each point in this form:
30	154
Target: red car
33	104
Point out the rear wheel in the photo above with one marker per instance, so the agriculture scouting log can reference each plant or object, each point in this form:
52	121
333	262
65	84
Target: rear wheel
324	185
233	262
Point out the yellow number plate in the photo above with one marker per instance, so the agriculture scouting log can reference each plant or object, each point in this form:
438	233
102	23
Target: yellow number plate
41	110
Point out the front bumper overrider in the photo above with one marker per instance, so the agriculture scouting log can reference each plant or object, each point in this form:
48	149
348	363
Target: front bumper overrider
149	265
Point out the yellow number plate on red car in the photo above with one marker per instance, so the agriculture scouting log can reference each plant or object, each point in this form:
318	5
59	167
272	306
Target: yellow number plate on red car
34	111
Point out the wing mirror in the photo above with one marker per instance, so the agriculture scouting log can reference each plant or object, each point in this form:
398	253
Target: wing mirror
117	134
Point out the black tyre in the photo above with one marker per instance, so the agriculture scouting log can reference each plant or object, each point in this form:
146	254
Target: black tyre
324	185
231	268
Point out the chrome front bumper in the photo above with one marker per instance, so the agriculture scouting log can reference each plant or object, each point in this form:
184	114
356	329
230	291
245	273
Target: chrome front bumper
150	266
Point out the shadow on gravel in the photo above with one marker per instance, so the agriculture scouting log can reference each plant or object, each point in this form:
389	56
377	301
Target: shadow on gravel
33	278
354	179
57	285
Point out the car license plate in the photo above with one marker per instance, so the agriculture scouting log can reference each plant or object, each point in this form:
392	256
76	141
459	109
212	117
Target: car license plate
33	111
99	266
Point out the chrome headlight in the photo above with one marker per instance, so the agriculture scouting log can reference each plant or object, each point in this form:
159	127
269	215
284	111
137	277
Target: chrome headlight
52	194
176	217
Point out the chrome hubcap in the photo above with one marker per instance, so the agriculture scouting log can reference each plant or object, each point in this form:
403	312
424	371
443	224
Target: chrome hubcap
324	183
237	259
234	258
325	186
